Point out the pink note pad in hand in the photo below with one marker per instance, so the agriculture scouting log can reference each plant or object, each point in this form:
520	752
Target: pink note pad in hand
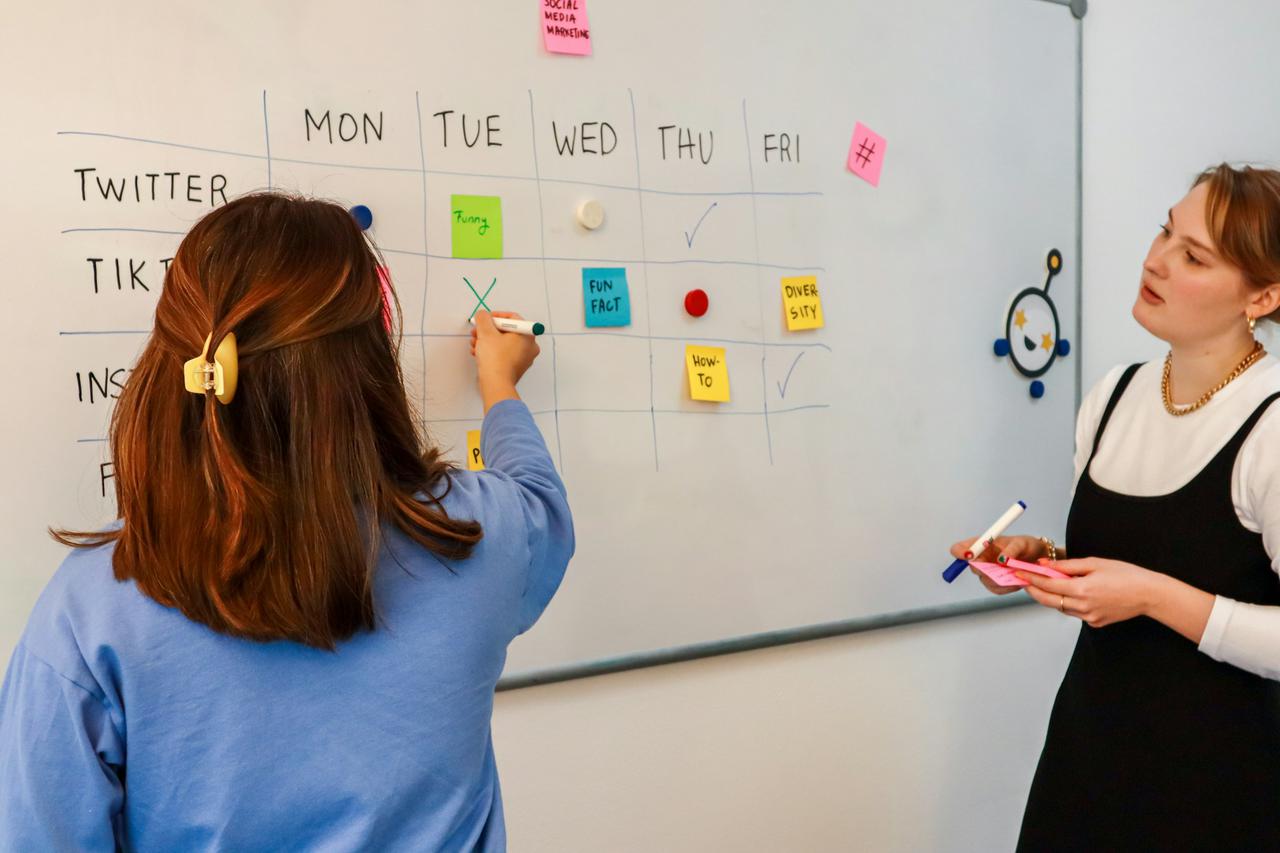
1004	575
866	154
565	28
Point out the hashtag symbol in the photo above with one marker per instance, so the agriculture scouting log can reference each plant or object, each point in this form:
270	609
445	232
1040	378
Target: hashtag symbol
864	152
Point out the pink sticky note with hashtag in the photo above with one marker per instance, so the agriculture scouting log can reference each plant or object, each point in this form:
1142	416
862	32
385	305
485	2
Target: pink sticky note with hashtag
564	26
866	154
384	277
1004	575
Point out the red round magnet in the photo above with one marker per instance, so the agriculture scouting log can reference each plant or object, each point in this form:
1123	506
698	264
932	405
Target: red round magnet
696	302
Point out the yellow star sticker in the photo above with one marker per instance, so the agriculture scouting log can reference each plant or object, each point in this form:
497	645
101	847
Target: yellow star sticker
1019	318
1046	341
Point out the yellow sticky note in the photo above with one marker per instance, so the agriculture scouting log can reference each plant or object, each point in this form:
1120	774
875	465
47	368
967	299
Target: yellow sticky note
475	462
801	303
708	373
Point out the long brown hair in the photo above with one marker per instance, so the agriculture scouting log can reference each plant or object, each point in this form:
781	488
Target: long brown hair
1242	213
260	518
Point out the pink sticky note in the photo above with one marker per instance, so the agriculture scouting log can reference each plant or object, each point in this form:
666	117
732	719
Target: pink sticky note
866	154
565	28
1004	575
384	277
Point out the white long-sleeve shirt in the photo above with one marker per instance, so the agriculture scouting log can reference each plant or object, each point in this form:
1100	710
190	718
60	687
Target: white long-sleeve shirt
1147	452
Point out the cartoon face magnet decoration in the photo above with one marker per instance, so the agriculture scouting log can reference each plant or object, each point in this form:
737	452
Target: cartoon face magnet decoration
1032	333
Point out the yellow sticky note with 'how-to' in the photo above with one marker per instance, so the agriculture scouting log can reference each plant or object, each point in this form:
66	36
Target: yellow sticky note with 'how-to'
475	462
801	303
708	373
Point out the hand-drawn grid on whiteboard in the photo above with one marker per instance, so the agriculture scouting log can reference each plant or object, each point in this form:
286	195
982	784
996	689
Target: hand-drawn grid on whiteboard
760	270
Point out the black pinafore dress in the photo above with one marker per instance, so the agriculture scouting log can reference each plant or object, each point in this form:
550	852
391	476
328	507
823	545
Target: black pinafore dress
1153	745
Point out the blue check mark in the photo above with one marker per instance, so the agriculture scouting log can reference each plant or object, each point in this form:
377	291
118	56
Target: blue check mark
688	238
782	386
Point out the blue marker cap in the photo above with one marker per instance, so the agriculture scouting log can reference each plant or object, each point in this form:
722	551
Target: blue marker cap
954	570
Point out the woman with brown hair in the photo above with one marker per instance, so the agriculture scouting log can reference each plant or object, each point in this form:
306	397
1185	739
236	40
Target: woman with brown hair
1166	730
290	640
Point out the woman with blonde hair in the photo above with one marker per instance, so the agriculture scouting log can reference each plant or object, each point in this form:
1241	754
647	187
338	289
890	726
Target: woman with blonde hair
291	638
1165	734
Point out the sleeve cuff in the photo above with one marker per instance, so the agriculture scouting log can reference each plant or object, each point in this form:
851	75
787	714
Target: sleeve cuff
1216	628
506	408
495	421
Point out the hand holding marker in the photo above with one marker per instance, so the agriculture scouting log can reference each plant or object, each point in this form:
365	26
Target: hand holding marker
502	357
982	542
520	327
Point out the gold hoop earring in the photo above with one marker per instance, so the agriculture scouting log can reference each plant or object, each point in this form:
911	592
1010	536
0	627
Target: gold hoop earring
1253	323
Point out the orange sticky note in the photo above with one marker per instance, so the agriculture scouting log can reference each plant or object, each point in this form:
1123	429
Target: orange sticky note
801	303
708	373
475	462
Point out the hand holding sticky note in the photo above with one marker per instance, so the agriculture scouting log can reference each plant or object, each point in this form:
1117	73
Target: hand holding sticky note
708	373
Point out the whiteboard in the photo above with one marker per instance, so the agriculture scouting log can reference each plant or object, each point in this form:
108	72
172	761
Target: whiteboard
848	458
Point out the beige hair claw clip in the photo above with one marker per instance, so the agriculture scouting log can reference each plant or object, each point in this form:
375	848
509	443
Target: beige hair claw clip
219	375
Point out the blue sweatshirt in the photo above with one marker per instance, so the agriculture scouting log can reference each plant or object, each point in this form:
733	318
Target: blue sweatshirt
125	725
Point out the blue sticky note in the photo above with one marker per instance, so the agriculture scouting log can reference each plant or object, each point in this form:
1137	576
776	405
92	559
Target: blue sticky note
605	297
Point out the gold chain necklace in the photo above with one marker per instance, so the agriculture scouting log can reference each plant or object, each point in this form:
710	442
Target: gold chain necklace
1178	411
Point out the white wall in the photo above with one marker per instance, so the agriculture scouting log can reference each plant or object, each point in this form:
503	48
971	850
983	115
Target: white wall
881	741
915	738
1170	87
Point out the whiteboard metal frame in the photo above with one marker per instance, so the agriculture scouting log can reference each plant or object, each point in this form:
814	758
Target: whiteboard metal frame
752	642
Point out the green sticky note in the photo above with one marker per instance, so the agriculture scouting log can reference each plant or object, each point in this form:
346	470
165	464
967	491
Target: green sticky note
477	226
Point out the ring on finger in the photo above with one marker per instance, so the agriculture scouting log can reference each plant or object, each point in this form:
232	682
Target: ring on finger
1062	603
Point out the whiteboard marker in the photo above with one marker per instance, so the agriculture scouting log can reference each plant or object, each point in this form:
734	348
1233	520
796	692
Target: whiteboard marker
980	544
520	327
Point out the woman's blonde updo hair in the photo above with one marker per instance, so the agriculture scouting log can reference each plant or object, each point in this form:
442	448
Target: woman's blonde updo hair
1243	217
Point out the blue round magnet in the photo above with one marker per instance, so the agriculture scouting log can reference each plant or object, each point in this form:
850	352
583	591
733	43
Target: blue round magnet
363	216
